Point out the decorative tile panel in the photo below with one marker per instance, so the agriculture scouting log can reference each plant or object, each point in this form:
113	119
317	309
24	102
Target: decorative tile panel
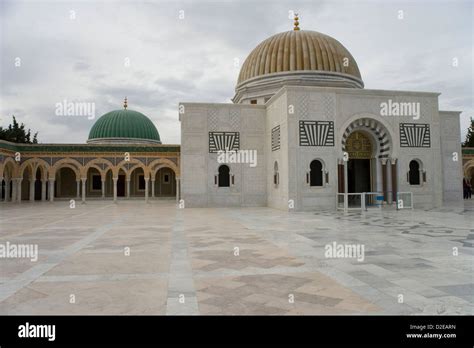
316	133
415	135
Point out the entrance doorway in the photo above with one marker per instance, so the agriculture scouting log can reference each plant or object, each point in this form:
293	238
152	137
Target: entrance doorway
359	167
358	171
165	183
367	168
121	186
38	185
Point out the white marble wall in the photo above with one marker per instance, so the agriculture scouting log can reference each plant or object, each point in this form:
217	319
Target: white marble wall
198	166
344	106
255	186
452	168
277	195
319	105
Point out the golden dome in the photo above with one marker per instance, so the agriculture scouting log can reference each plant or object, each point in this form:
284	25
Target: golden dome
299	50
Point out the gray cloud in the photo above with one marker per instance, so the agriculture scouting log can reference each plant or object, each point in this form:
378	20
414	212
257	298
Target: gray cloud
192	59
81	66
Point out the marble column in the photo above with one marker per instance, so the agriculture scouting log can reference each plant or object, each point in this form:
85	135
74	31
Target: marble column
388	167
18	190
51	190
32	190
43	190
103	188
340	176
394	179
115	189
384	178
379	176
128	189
178	189
346	184
14	189
78	189
153	188
83	189
346	179
146	189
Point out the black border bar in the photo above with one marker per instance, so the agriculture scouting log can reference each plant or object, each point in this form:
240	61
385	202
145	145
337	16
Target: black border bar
224	330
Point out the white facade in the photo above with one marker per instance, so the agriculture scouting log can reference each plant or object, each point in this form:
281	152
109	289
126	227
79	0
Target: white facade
292	104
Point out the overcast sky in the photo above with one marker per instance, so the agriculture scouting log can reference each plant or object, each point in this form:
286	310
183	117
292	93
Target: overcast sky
77	51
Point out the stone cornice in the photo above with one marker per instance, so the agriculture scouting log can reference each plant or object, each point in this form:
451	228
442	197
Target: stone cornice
88	148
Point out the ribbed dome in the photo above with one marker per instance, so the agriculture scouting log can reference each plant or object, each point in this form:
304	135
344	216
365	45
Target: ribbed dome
299	50
123	126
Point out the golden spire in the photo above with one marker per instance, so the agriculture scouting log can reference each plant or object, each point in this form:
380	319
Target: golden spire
296	23
125	103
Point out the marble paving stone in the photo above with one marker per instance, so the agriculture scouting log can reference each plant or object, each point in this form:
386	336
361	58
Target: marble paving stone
464	291
191	252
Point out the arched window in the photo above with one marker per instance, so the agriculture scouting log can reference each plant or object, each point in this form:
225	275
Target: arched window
276	177
414	173
316	173
224	176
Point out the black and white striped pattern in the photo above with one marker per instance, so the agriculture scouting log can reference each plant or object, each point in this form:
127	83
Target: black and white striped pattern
316	133
224	141
376	128
276	138
415	135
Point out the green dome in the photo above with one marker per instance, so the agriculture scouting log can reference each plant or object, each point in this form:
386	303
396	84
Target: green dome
123	126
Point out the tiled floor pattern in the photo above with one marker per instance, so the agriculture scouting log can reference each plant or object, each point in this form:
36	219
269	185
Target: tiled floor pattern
137	258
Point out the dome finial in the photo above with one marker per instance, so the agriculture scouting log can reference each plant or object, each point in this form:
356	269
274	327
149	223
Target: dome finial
296	23
125	103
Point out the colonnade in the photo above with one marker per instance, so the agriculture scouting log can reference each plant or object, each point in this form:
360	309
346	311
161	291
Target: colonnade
15	194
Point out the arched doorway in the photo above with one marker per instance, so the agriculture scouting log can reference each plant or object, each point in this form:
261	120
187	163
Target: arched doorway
27	180
94	183
66	183
38	184
359	167
165	183
367	164
137	183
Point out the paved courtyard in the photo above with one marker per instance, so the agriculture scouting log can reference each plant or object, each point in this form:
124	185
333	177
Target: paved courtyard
138	258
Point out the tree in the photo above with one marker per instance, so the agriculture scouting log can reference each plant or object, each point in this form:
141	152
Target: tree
470	135
16	133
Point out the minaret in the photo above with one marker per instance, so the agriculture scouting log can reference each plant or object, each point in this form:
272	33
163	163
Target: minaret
296	28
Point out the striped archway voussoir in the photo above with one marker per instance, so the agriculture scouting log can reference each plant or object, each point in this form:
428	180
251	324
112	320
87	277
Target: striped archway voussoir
376	128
